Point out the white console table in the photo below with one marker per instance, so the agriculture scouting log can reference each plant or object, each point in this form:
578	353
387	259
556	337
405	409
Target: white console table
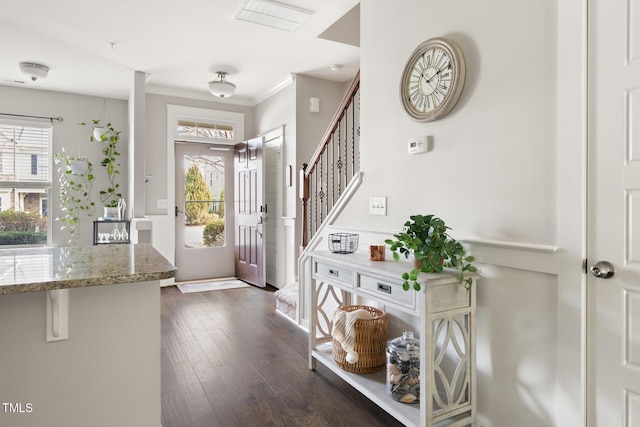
445	312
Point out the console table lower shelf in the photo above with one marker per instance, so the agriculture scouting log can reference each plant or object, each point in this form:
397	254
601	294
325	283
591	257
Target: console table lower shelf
372	386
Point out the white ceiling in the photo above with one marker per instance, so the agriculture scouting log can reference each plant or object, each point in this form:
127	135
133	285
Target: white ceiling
179	44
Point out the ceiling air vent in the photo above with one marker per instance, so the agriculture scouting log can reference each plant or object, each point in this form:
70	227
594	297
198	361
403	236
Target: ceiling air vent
272	14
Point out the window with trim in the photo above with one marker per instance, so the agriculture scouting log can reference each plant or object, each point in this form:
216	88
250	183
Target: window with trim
25	179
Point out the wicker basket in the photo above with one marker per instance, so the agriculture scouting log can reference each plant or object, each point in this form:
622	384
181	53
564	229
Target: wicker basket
370	342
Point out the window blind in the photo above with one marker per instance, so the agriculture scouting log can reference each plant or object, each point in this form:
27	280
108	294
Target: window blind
25	155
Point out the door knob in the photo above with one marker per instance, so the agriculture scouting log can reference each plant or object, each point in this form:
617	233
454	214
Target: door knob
603	269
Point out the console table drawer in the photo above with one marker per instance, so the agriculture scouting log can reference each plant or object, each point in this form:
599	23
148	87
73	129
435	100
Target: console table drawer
334	273
385	289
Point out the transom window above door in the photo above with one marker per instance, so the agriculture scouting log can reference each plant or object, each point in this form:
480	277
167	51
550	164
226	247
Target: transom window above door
205	130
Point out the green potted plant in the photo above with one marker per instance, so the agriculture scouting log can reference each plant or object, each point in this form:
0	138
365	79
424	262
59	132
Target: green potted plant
110	137
76	180
425	237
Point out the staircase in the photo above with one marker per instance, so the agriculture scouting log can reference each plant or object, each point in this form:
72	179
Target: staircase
325	181
333	165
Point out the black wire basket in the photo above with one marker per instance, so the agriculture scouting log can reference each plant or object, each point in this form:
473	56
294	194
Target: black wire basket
343	243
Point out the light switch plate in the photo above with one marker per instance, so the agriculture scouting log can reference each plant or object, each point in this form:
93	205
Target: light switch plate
378	206
314	105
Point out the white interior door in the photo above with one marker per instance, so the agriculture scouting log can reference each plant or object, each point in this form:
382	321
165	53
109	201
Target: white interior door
613	317
204	239
274	182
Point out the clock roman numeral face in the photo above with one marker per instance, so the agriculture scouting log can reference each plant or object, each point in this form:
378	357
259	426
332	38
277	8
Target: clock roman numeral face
430	80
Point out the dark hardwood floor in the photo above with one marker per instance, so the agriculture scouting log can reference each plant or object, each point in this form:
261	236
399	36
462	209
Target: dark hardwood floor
229	360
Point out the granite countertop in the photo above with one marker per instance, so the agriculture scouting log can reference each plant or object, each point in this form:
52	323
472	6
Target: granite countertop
47	268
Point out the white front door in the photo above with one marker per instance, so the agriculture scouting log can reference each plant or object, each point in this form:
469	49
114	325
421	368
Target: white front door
204	237
613	303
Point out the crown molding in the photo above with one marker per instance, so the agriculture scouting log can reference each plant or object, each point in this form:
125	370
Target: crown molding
289	79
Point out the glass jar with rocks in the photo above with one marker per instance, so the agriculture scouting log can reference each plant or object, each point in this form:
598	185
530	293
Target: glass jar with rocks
403	368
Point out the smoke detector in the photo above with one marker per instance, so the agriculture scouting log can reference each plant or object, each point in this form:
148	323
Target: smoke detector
34	70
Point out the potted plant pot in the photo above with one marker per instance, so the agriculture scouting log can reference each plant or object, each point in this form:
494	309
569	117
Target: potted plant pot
99	133
111	212
78	167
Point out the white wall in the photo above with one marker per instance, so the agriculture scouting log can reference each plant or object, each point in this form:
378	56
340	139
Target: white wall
73	137
491	176
312	126
500	137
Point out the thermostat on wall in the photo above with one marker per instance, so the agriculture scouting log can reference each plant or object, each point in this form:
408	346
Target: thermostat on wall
418	144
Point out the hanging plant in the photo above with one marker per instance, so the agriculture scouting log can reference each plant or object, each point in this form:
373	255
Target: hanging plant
111	196
76	180
100	131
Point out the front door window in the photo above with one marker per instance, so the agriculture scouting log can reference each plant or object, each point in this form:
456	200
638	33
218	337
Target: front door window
204	183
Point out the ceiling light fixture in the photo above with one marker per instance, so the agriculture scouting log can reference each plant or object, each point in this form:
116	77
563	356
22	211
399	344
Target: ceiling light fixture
220	87
336	68
33	70
272	14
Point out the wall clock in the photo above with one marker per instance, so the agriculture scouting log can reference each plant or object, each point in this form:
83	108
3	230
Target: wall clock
432	80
